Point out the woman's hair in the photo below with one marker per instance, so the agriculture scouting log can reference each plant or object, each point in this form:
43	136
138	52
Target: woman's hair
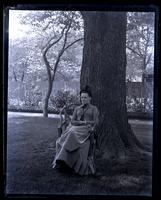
86	89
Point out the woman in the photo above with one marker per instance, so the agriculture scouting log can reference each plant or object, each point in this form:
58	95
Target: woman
72	148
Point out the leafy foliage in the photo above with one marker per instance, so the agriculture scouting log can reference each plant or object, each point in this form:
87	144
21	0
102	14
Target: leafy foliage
26	53
65	98
139	105
27	70
140	43
55	40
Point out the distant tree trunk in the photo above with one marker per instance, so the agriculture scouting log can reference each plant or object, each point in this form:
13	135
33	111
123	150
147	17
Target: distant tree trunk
104	70
46	100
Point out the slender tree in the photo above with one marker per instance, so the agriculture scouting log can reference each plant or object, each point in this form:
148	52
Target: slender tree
104	70
51	71
54	33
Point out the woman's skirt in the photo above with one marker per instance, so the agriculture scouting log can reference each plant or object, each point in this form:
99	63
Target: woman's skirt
73	149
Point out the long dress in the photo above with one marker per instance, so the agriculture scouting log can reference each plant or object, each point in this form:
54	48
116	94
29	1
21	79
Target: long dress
73	146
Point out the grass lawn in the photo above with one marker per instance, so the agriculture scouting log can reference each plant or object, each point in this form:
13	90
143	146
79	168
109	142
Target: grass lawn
30	152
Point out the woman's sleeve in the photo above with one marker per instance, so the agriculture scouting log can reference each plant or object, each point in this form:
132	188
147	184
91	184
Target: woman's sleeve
96	115
74	117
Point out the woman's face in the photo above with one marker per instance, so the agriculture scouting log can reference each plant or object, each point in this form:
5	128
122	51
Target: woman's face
85	98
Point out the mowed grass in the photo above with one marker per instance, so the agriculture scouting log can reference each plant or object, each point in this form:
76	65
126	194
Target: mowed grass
30	152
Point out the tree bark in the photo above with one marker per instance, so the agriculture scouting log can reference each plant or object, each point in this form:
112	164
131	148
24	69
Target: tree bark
46	100
104	70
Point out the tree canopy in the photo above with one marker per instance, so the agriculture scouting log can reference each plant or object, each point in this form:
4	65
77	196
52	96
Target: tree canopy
44	28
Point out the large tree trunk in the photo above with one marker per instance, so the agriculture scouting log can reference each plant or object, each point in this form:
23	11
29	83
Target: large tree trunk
104	70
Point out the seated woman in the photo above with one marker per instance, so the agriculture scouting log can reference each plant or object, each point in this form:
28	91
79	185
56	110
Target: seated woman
72	148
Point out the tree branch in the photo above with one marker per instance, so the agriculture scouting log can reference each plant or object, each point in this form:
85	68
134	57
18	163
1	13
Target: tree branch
50	78
62	50
66	33
138	47
141	34
50	45
140	55
61	53
44	29
14	75
148	60
73	43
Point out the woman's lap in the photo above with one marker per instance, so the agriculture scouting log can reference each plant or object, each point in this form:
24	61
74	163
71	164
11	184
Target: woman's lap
76	159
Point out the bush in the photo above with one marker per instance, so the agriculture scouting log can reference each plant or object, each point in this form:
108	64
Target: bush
55	103
14	104
139	105
17	105
63	98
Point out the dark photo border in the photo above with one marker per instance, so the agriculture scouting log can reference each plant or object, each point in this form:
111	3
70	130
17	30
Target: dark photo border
28	5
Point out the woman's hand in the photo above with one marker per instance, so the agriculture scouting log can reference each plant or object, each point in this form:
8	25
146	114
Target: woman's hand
83	123
78	122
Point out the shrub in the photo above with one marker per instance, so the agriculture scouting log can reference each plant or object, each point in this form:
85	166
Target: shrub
63	98
139	105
